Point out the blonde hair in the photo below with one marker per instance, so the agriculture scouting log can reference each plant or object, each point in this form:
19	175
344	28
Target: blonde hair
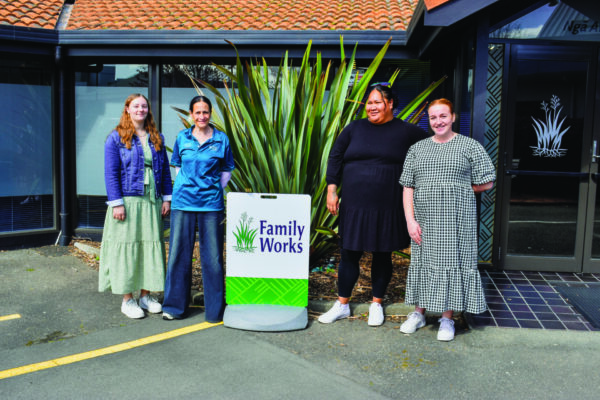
126	129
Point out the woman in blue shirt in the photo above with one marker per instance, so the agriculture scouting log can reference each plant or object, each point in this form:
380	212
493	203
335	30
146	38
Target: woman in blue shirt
138	186
203	162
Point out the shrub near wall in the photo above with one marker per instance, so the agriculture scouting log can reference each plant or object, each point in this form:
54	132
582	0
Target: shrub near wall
282	127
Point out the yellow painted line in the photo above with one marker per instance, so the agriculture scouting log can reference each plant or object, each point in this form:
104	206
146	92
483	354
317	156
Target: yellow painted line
26	369
9	317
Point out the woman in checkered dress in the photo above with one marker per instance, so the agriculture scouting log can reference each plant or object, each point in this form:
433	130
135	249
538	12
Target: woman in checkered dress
441	176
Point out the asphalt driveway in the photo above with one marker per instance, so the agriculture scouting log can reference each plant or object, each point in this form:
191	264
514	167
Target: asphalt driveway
61	314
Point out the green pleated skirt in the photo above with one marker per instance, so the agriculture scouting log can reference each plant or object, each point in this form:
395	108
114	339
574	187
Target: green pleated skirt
132	256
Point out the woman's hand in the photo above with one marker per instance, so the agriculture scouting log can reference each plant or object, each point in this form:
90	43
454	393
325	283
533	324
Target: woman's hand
333	201
414	231
166	208
119	213
482	188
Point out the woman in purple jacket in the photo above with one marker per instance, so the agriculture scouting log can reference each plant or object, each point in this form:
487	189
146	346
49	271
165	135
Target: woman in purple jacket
139	187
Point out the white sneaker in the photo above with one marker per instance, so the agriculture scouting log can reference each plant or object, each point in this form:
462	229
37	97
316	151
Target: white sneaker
414	321
149	303
376	316
338	311
446	331
131	309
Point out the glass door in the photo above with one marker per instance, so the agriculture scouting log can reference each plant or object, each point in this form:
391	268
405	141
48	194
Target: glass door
591	254
548	222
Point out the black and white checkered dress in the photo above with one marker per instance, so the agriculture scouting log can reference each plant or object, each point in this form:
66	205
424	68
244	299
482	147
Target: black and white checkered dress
443	271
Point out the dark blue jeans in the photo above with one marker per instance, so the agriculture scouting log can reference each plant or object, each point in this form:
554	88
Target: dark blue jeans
179	271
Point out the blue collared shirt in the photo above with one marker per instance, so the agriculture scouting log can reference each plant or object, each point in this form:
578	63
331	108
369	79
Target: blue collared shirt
198	183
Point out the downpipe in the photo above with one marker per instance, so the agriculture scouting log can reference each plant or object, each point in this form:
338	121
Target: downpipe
65	233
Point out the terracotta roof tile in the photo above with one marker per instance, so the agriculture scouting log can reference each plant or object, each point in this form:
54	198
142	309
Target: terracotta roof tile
217	15
30	13
242	14
435	3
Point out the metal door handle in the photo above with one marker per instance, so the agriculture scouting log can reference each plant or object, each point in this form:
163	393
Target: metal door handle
595	155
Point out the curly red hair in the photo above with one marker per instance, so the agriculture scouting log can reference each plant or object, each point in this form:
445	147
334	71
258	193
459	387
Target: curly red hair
126	128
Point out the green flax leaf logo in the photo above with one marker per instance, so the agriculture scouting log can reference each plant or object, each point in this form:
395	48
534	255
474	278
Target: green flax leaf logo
245	235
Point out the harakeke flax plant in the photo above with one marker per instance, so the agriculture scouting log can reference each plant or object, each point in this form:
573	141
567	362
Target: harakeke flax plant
282	127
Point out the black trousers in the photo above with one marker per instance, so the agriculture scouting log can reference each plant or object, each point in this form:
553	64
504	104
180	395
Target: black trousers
349	269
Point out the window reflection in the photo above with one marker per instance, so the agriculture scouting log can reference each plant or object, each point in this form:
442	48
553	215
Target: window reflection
26	190
556	20
178	89
100	93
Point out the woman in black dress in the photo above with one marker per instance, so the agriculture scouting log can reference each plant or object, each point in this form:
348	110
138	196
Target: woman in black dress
368	157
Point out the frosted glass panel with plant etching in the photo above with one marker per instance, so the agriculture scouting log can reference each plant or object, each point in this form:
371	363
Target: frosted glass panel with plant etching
549	131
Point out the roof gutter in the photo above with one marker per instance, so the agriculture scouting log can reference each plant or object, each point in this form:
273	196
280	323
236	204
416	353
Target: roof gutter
23	34
217	37
172	43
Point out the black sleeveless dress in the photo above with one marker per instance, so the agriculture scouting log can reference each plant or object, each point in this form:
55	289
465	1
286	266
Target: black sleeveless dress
366	160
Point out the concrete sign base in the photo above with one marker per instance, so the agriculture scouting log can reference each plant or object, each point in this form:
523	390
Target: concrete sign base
265	317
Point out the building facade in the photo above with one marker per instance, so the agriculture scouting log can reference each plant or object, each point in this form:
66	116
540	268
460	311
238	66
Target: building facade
523	76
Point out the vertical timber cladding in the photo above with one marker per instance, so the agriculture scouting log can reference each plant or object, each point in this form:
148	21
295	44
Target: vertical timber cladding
267	249
491	143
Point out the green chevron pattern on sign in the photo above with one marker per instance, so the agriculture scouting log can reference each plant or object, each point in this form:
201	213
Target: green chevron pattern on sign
285	292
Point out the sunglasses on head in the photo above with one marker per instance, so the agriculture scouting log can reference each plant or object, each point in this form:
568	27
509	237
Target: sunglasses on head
385	84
